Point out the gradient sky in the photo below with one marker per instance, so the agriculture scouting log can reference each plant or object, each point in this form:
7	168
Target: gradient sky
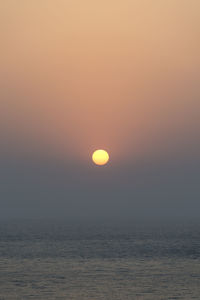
80	75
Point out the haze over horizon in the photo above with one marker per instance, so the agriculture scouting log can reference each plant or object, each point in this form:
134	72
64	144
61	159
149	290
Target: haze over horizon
81	75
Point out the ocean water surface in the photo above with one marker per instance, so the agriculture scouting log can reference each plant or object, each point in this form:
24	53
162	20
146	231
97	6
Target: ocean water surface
94	260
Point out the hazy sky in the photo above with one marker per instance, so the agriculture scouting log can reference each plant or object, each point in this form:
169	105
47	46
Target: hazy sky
80	75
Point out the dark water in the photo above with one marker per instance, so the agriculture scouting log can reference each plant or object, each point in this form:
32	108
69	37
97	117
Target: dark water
60	260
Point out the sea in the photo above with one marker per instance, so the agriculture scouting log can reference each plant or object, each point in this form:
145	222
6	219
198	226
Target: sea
82	260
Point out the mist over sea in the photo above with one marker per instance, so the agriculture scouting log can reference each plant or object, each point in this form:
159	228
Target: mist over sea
95	260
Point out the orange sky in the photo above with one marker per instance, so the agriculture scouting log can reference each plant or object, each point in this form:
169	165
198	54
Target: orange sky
79	75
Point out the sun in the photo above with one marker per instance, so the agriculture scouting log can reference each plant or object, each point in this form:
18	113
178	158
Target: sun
100	157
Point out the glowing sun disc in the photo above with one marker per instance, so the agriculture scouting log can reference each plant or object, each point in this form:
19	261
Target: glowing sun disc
100	157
